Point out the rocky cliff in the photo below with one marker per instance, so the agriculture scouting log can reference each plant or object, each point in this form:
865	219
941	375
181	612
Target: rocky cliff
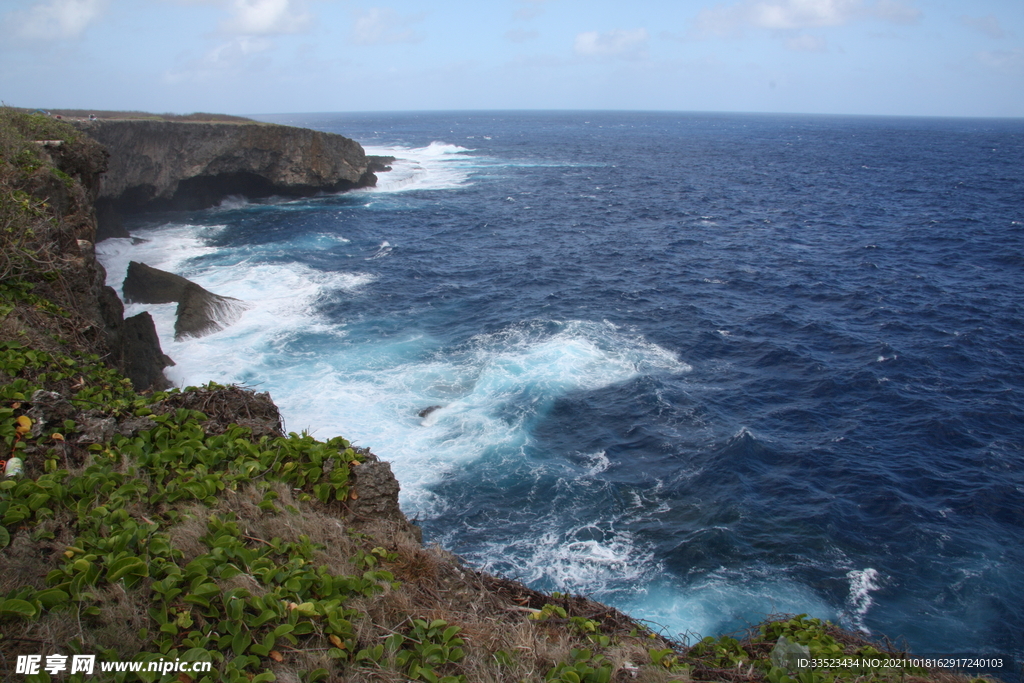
158	165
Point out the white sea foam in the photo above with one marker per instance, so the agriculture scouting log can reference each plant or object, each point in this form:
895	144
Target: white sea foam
596	463
491	388
722	601
595	558
383	250
281	300
862	583
233	202
438	166
168	247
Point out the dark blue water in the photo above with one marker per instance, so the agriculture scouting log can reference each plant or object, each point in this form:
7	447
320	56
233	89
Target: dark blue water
704	367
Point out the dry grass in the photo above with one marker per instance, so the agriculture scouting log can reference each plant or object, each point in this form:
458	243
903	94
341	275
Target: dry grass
491	612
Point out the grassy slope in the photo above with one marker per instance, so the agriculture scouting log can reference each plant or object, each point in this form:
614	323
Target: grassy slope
185	525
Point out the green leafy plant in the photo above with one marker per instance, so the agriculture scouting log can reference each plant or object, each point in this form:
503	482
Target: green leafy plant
583	667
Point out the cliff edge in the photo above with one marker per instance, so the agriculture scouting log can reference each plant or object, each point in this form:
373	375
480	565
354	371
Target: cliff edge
173	165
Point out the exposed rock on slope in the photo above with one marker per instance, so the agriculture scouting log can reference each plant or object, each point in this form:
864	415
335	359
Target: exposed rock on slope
157	165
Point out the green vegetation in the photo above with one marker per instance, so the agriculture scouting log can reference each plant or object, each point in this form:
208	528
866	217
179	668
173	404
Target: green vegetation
27	224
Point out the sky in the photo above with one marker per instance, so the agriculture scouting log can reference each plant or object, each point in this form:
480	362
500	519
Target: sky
874	57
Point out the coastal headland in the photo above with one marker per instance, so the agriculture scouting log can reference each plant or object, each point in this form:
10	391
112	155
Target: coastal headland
186	529
189	164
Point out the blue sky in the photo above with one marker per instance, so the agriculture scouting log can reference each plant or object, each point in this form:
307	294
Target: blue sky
902	57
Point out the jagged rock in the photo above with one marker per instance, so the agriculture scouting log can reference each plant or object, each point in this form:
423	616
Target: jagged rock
70	196
229	405
380	164
143	360
147	285
376	491
201	312
95	428
111	312
108	221
83	160
51	409
134	347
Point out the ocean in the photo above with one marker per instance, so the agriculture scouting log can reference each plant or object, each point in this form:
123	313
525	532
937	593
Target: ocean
702	367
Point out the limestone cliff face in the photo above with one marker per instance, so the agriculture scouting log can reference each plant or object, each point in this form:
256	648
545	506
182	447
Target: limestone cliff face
157	165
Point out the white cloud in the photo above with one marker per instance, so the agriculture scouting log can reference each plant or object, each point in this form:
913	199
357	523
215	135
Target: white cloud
529	9
627	44
988	25
1003	60
382	25
806	43
231	57
800	14
232	52
266	17
894	11
518	35
790	14
55	19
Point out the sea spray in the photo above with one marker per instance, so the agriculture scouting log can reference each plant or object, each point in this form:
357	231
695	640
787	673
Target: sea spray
862	583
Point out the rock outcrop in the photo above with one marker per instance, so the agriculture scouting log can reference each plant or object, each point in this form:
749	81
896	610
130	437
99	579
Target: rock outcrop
200	311
147	285
142	360
161	165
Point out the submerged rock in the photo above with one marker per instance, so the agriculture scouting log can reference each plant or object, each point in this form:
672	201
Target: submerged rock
428	410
